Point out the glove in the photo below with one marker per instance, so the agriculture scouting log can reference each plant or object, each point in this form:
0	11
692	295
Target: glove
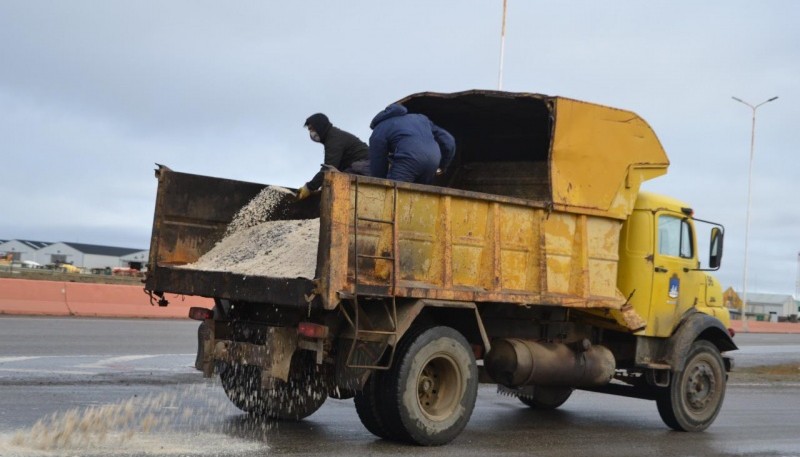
303	193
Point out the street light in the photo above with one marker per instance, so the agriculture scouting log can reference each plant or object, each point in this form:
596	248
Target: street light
747	223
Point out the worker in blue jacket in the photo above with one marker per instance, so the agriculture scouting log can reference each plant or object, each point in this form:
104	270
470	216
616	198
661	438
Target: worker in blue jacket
408	147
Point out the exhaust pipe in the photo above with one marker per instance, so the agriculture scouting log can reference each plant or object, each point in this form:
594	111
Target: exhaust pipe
515	362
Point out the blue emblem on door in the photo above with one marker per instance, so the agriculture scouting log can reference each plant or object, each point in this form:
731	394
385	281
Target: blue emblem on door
674	286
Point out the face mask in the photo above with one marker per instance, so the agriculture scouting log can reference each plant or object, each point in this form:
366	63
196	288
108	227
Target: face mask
314	136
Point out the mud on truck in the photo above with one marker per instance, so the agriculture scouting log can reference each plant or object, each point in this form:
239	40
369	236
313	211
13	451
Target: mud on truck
535	264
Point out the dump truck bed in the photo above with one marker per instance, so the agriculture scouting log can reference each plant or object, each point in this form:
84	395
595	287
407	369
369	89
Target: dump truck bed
191	216
384	238
529	213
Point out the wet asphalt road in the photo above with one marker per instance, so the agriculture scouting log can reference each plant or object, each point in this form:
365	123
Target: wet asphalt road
52	366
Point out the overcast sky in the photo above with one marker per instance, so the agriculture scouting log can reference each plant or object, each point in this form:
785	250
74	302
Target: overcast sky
94	93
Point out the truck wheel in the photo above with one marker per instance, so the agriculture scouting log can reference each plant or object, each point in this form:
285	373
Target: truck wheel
296	399
368	407
431	388
694	396
546	398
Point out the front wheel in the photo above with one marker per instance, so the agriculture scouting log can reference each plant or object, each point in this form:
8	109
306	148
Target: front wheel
694	396
431	387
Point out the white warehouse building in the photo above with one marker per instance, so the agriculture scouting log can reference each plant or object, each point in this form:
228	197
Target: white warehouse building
22	250
85	255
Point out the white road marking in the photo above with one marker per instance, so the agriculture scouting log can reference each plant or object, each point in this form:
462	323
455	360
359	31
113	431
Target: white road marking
103	363
92	365
46	371
16	359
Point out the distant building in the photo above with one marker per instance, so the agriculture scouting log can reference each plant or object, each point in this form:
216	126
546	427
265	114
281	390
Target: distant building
85	255
22	250
136	260
780	305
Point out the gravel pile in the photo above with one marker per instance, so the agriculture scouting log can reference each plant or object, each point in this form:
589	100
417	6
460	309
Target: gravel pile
278	249
253	245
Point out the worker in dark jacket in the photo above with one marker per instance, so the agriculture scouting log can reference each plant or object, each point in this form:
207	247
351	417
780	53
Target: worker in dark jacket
408	147
343	151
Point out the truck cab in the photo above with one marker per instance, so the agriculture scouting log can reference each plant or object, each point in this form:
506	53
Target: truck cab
660	268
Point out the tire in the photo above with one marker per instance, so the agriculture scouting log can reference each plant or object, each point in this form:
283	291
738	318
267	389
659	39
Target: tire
694	396
547	398
369	409
296	399
431	388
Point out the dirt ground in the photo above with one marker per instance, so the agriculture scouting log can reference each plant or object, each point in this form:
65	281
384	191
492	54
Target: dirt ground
786	373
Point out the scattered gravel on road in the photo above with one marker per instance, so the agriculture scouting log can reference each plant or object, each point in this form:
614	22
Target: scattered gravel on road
151	425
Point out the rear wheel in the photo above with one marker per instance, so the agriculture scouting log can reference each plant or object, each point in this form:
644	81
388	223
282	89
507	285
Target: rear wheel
430	390
694	396
369	409
545	398
296	399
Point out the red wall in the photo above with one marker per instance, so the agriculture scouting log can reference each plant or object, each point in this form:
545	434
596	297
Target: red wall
58	298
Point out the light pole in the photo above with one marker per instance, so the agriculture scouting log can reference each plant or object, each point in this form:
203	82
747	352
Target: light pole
747	222
502	46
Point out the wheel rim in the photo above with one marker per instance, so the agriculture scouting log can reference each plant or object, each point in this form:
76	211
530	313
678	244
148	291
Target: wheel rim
700	387
439	387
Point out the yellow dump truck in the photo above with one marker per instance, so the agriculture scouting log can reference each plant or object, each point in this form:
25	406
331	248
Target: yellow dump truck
535	263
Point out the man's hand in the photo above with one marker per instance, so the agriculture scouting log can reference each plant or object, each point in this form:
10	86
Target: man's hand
303	193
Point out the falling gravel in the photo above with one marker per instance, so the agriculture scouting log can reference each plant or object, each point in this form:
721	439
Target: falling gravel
259	209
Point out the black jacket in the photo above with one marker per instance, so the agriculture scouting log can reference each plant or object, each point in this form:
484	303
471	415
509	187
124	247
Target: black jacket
342	150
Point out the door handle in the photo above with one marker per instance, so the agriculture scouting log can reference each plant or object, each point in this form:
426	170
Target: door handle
661	270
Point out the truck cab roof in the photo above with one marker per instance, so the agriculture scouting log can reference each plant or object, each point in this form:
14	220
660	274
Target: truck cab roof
650	201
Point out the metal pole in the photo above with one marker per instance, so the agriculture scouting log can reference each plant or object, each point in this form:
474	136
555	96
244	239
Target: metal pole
502	47
747	217
797	283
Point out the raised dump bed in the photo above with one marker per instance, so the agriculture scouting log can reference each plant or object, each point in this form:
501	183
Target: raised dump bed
529	213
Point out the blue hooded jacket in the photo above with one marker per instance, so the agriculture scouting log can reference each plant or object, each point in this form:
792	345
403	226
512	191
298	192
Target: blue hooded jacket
412	141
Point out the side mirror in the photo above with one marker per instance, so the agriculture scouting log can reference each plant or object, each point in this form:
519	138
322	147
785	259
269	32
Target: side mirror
715	249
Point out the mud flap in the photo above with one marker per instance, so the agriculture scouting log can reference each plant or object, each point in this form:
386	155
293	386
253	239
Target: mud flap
274	357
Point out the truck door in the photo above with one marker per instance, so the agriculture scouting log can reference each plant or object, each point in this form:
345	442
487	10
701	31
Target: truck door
673	260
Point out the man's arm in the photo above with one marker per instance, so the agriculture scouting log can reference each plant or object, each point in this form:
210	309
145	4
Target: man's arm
447	144
378	156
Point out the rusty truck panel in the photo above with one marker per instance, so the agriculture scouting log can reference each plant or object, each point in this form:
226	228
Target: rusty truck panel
449	244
